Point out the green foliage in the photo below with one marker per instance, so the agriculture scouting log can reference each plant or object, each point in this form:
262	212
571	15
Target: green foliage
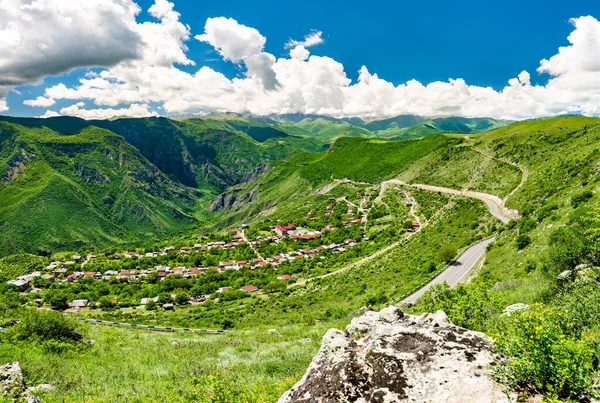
57	300
446	253
151	305
549	355
581	197
46	326
522	241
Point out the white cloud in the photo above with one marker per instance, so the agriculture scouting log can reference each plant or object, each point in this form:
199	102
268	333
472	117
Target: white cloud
232	40
40	101
134	110
305	83
48	37
312	39
3	105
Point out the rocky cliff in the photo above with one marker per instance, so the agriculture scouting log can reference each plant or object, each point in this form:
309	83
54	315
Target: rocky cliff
388	356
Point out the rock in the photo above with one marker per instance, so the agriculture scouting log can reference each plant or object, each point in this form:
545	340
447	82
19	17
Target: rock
42	387
509	310
12	385
389	356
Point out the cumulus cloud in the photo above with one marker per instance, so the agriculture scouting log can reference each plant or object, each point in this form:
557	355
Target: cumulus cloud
3	106
40	101
49	37
233	41
134	110
312	84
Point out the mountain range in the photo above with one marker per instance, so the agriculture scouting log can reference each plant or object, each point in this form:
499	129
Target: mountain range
69	182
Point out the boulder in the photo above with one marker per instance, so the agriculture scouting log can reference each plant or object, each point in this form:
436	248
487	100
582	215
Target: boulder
389	356
12	385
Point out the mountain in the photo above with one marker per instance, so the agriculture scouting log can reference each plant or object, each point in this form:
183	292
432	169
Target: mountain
68	190
68	182
401	127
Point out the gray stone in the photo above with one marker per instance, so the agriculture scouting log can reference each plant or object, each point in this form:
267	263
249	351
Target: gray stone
12	385
392	357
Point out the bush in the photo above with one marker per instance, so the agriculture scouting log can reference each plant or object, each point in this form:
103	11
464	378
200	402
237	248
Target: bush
106	303
151	305
182	299
547	357
581	197
58	300
46	325
522	241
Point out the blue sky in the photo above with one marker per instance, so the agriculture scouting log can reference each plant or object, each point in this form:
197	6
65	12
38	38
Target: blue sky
484	43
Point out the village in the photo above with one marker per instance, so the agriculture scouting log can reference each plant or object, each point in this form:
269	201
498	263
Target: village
64	272
256	252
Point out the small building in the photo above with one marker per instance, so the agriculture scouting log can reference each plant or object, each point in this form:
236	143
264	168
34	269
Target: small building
79	303
284	277
168	306
20	283
224	289
144	301
60	272
249	288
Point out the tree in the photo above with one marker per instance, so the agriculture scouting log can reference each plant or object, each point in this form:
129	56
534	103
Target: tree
446	254
182	299
106	303
164	299
151	305
58	300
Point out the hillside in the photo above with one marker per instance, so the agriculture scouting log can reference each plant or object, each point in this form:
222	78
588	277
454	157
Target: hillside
91	188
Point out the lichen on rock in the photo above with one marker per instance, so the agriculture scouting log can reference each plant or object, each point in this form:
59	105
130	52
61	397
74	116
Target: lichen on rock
389	356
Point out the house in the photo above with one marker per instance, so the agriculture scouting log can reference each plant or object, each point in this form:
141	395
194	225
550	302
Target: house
59	272
249	288
124	274
72	277
224	289
79	303
89	274
48	277
76	257
245	226
161	274
284	277
415	224
283	230
168	307
169	249
144	301
20	283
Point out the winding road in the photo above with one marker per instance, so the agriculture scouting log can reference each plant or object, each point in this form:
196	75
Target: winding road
456	272
494	204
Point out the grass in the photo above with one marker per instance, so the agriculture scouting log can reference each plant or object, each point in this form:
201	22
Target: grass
140	366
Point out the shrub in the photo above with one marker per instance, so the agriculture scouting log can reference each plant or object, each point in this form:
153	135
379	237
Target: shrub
547	357
46	325
58	300
106	303
182	299
151	305
580	197
522	241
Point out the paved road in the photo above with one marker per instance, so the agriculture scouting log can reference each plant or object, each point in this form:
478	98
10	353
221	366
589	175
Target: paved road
455	273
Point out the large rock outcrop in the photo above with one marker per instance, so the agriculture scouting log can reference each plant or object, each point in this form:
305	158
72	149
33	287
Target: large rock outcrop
388	356
12	385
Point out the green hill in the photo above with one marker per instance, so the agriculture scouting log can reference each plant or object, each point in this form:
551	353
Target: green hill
69	190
